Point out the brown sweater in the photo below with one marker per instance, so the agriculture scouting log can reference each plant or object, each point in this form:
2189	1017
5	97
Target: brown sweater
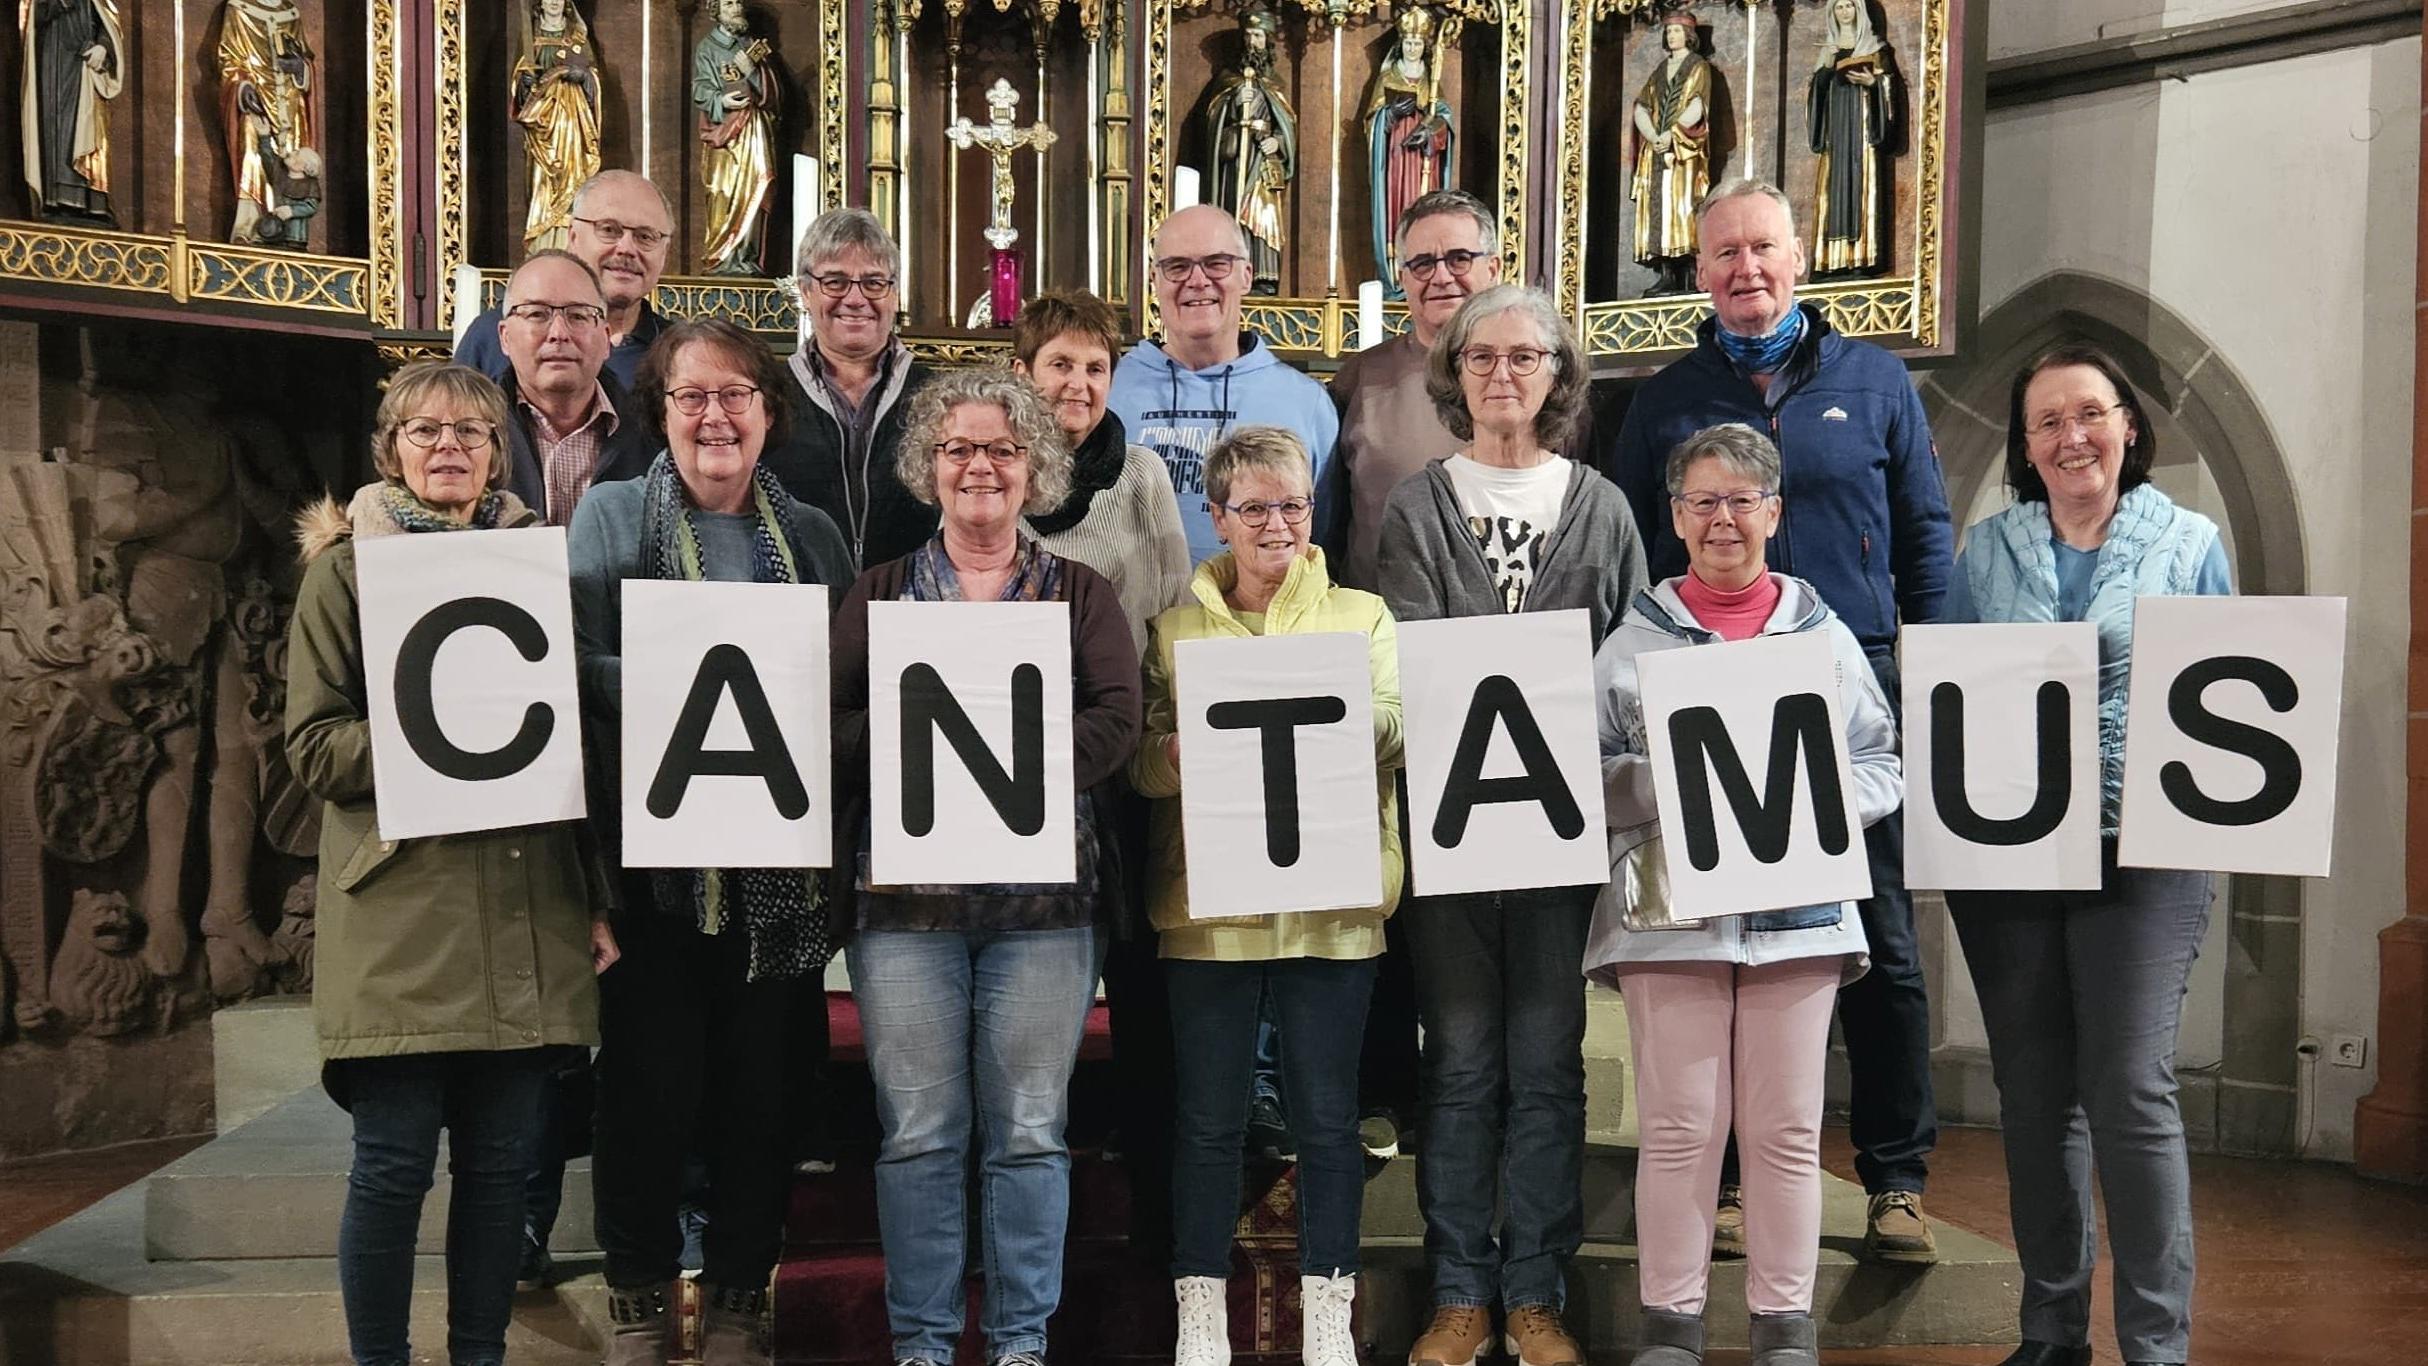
1388	431
1104	730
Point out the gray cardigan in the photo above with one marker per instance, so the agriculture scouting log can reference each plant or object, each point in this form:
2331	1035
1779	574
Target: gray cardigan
1432	567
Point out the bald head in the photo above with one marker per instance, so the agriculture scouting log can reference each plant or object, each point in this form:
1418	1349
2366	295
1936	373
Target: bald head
1201	311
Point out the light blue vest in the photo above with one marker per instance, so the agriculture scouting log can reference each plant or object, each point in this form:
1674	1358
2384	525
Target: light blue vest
2153	547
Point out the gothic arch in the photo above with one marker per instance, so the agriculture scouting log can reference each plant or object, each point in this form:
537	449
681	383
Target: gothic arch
2176	369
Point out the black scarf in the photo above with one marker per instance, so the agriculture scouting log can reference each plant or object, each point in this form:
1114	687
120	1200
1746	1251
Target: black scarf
1095	467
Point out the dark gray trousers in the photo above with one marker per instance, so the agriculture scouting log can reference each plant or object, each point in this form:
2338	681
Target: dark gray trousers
2082	993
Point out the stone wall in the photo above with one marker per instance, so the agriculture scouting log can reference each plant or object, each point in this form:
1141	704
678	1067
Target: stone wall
155	854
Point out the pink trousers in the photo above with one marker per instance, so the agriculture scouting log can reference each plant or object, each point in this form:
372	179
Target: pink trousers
1716	1045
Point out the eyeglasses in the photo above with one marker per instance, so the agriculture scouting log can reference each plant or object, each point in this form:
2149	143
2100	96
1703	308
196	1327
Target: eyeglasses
836	284
1523	361
2092	416
1292	510
469	431
997	452
1423	267
692	400
611	232
578	317
1218	267
1742	503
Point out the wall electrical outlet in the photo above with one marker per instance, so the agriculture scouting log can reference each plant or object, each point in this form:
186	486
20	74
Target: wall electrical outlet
2348	1050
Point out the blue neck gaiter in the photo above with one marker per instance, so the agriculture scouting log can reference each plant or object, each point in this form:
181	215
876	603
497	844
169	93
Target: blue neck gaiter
1762	355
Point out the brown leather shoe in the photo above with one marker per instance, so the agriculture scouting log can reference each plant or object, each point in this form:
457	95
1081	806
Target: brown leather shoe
1457	1333
1728	1225
1895	1230
1537	1338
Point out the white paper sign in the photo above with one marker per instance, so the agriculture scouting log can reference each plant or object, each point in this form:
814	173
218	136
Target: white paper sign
2002	756
1504	764
970	743
1277	794
469	670
1742	830
725	726
2230	739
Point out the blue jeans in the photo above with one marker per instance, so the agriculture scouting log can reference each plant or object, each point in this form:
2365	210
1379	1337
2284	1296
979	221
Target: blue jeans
1501	991
489	1104
1319	1007
972	1027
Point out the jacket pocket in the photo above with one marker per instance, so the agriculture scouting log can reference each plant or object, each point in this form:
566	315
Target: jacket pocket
371	854
1819	917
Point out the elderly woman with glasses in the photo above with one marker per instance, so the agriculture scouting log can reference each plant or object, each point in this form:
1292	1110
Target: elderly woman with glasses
1317	968
1503	525
440	986
2082	992
855	380
699	1019
973	999
1729	1017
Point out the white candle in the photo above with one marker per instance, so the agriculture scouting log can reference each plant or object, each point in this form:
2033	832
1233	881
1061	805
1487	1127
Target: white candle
1184	187
466	283
804	203
1369	314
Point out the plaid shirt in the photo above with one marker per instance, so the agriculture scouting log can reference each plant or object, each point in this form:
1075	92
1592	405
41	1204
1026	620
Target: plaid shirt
569	461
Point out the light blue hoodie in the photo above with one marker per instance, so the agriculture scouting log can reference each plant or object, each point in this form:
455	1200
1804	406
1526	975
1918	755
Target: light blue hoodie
1179	413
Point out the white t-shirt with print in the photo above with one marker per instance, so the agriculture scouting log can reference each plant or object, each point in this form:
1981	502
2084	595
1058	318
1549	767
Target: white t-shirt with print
1510	513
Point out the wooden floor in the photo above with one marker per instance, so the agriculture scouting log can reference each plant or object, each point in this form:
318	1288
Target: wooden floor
2300	1264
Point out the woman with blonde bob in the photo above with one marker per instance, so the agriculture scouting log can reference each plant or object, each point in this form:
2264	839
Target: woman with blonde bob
1317	967
439	983
973	998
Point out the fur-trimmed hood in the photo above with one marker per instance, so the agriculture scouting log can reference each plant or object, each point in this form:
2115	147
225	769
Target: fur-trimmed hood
323	523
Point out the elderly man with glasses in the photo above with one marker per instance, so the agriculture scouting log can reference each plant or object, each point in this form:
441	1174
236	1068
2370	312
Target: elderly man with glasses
622	229
856	379
1178	394
569	424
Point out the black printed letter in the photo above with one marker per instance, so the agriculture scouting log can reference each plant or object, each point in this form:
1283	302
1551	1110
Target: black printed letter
1279	718
417	710
1798	721
1497	699
2280	767
928	706
726	667
2054	746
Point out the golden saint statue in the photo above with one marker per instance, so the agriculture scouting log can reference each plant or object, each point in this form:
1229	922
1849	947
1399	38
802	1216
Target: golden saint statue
556	100
738	89
266	81
1673	155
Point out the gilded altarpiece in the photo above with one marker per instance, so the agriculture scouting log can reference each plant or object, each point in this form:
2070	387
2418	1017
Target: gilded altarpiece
1776	72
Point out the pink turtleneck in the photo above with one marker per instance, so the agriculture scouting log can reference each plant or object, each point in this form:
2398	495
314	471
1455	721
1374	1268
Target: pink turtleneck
1730	616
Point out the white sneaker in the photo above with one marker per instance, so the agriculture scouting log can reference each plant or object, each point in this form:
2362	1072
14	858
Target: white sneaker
1205	1322
1325	1304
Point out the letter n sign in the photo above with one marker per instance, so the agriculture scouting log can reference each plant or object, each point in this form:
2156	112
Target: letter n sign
469	678
1750	769
1278	803
969	743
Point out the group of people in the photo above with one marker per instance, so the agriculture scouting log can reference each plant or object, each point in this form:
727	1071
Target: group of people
1778	479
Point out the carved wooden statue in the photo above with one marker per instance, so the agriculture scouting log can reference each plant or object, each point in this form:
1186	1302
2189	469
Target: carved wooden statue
74	56
1673	155
268	79
1408	131
1853	100
556	103
1252	151
738	89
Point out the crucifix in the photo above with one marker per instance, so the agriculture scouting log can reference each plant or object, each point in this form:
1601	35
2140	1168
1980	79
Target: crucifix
1001	140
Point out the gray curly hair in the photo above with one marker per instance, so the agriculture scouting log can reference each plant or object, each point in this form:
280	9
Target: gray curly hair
1032	425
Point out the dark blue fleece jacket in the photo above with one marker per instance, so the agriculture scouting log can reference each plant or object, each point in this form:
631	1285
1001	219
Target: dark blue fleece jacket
1864	514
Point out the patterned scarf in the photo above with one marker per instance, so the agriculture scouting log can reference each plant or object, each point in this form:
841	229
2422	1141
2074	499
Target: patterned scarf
413	514
1765	354
1036	574
781	910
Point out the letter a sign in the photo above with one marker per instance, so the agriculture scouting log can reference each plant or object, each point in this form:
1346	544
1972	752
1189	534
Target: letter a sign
1750	769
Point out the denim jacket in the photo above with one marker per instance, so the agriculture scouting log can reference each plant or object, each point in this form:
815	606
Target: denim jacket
2009	572
1659	620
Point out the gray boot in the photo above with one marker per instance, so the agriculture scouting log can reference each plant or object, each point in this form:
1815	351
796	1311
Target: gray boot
637	1323
1783	1340
1669	1339
733	1327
